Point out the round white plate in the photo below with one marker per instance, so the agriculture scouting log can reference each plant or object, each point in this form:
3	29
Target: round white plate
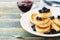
25	21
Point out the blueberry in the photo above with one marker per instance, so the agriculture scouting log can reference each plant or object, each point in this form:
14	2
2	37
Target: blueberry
33	27
44	8
53	31
58	17
38	18
58	31
41	11
51	17
47	10
47	33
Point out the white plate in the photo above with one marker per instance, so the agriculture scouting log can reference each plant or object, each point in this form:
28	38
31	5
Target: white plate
25	21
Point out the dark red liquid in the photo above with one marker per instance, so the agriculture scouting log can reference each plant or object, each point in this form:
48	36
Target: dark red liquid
25	6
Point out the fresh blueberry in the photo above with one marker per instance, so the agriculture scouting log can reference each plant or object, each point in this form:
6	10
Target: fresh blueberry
51	17
44	8
47	10
33	27
38	18
41	11
58	17
53	31
58	31
47	33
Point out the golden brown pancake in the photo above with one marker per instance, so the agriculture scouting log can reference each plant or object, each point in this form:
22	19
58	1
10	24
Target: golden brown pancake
46	14
57	21
55	26
35	21
42	30
43	21
45	25
32	17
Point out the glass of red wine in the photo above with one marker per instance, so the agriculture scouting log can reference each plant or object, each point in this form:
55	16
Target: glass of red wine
24	6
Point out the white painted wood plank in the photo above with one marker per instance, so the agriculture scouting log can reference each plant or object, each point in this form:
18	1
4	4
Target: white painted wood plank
10	20
8	0
8	4
8	13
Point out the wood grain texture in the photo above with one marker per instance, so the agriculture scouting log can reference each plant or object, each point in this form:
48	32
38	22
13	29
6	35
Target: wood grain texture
14	32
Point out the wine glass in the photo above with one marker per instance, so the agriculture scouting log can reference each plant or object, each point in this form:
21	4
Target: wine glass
24	6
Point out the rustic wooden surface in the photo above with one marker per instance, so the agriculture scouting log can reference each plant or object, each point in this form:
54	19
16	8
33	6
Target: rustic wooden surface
10	20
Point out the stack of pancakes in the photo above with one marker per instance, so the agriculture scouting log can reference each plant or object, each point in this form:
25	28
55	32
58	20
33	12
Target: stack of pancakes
55	23
43	22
